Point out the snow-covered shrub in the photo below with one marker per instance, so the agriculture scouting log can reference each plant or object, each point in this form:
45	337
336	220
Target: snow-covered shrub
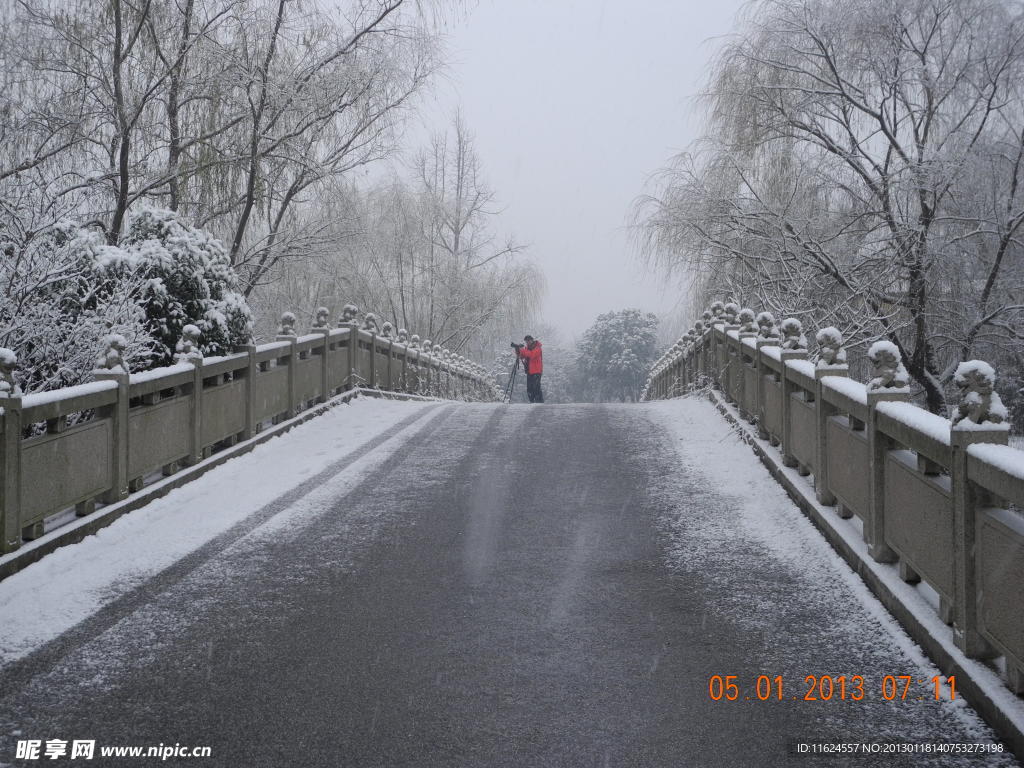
189	281
67	292
60	303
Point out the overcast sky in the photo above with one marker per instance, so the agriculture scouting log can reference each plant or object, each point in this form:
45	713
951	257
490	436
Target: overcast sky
574	103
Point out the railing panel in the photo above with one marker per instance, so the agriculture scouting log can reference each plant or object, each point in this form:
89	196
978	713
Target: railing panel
848	465
364	362
749	388
997	468
270	393
307	378
919	520
916	429
158	435
223	410
803	428
773	406
1001	581
59	470
381	366
338	363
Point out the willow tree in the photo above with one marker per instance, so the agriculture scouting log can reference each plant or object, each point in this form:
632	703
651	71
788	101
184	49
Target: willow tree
861	165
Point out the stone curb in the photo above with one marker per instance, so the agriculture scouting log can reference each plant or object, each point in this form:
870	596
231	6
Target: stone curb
972	690
74	532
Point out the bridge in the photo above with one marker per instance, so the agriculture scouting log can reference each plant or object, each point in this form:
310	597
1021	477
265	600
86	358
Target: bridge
341	551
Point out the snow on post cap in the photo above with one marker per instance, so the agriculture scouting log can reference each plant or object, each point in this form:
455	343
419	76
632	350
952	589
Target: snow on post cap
974	369
745	318
766	328
387	330
8	365
287	324
111	358
980	404
187	348
322	317
793	334
349	314
887	367
831	353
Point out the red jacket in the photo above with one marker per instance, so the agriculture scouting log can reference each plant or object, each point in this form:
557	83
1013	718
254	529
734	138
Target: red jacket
532	358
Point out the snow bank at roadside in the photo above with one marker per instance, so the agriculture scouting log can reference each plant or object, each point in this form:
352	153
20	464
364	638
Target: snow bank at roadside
70	584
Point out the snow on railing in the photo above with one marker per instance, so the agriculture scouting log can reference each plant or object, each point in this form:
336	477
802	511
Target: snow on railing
942	498
108	438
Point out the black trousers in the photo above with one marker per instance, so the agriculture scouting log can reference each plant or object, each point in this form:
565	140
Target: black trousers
533	388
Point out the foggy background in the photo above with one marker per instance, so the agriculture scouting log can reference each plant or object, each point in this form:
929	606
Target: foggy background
573	105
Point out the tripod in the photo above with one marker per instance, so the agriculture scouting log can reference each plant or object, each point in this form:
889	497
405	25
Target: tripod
511	381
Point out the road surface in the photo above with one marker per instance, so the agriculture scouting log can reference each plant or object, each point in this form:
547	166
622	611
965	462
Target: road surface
514	586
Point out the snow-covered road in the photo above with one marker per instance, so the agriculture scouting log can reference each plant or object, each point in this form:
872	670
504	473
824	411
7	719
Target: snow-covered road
479	585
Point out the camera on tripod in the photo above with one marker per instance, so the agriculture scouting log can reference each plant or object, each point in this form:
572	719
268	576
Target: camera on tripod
517	347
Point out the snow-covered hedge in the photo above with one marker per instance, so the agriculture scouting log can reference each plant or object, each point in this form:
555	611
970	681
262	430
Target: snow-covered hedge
66	290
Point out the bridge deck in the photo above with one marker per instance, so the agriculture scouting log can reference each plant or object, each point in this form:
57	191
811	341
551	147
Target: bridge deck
512	586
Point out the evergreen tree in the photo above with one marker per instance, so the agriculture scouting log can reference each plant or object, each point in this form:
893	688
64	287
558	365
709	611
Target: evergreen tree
615	354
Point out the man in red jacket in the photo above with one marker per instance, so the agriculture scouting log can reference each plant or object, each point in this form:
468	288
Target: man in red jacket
534	365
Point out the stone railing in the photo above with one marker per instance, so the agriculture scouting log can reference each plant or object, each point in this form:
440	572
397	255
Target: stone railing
102	440
932	494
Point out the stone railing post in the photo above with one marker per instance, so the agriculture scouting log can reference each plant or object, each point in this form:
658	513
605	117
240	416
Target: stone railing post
10	473
822	412
118	413
788	387
967	499
879	446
